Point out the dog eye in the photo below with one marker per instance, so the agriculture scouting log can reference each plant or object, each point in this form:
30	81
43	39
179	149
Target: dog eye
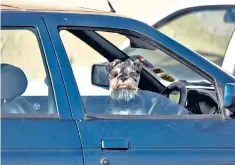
114	74
132	74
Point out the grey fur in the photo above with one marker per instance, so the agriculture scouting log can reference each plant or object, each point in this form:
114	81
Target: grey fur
124	94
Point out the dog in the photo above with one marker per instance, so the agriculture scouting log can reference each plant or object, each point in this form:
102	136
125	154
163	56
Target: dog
127	99
124	77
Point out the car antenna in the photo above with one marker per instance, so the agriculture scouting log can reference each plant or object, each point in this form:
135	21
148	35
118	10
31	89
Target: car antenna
111	7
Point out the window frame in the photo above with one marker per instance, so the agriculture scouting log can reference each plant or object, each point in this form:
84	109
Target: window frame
37	21
35	31
152	42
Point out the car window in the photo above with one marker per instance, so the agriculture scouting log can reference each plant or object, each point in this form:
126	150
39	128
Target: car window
82	57
26	88
83	54
203	31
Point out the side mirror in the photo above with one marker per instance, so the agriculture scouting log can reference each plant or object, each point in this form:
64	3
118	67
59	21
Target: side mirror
229	16
229	95
99	75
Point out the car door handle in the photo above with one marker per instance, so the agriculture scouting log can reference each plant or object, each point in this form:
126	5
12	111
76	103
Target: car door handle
115	144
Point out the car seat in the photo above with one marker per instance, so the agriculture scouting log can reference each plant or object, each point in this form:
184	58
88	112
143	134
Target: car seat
13	84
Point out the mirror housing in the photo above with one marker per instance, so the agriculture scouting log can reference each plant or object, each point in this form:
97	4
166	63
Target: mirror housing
229	96
99	76
229	16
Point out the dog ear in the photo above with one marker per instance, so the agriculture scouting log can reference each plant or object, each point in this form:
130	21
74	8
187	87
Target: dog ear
138	66
129	61
110	66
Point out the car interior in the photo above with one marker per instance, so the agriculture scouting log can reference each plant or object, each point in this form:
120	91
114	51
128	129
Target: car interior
199	100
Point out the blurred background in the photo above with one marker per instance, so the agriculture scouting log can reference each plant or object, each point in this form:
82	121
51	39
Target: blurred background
139	9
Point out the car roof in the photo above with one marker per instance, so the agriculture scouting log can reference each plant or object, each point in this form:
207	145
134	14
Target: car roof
17	7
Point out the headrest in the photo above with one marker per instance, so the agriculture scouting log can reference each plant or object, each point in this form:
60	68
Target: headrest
13	82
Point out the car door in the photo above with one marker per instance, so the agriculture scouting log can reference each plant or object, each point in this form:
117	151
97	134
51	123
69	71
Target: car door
110	139
36	123
206	30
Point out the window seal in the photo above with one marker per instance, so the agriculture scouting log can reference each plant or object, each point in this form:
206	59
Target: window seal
92	116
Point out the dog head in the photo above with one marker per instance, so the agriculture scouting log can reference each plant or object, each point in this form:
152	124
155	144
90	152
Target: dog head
124	74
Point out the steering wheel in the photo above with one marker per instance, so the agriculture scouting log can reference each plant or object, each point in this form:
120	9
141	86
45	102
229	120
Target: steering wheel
181	87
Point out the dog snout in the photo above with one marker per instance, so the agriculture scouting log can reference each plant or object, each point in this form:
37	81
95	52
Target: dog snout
123	78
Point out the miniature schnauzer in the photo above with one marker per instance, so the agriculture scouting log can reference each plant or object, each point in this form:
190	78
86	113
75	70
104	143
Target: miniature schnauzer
127	99
124	79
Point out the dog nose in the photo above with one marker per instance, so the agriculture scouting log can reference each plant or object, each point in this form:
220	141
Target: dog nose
123	78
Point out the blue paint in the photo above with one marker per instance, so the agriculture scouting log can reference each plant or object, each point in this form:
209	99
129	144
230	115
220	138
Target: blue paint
39	134
41	156
163	156
229	95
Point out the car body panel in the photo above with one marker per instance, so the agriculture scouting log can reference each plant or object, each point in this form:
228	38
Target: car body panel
41	156
54	135
159	133
163	156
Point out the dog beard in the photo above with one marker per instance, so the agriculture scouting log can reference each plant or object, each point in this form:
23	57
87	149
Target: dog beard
124	94
125	102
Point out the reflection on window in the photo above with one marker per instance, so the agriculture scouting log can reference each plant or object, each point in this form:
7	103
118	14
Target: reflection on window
204	32
23	76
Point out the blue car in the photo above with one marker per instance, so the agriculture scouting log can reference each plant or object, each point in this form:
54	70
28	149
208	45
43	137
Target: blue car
54	85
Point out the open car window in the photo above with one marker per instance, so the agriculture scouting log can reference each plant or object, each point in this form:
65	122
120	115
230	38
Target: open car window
97	48
159	64
206	30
